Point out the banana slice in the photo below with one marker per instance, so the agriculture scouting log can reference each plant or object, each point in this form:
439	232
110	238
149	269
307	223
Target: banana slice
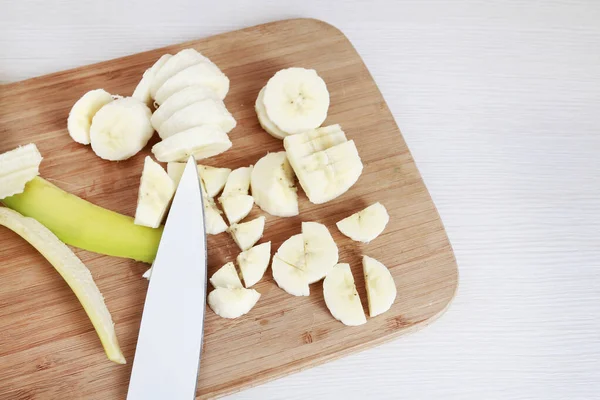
341	297
296	100
254	262
273	189
201	142
213	178
264	120
180	61
203	112
381	288
320	251
213	220
178	101
121	129
142	90
226	277
84	109
232	303
365	225
326	173
289	267
204	74
235	200
248	233
154	196
315	140
17	167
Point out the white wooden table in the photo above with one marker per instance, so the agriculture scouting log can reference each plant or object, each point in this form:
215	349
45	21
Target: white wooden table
500	105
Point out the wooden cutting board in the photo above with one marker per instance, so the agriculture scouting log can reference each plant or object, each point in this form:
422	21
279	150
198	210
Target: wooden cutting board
48	348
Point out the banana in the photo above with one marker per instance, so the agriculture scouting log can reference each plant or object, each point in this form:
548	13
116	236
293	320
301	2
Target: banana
341	297
204	74
204	112
17	167
325	164
232	302
288	267
381	288
201	142
366	224
180	61
235	200
254	262
178	101
121	129
246	234
273	189
154	196
213	178
320	251
142	90
264	120
226	277
213	221
84	109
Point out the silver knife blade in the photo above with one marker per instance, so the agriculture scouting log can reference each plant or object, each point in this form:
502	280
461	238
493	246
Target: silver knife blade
167	356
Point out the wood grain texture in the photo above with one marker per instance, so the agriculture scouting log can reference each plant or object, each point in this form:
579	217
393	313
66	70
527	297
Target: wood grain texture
48	342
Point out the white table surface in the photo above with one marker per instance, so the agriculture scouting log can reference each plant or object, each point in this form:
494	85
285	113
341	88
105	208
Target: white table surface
500	105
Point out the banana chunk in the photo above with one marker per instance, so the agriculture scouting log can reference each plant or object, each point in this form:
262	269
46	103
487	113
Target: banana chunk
178	101
232	302
82	113
120	129
17	167
226	277
366	224
142	90
254	262
320	251
381	288
204	74
180	61
246	234
204	112
272	183
341	296
235	200
202	142
214	178
154	196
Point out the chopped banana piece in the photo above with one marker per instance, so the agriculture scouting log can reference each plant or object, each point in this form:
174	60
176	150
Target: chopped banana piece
381	288
254	262
366	224
226	277
246	234
154	196
273	189
341	296
232	302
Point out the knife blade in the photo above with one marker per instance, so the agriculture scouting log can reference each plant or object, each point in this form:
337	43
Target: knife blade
167	356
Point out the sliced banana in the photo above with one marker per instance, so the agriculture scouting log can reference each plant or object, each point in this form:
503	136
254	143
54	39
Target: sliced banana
320	251
381	288
204	112
154	196
341	296
273	189
289	267
366	224
226	277
246	234
121	129
203	73
201	142
213	178
180	61
178	101
17	167
326	173
254	262
296	100
232	303
213	220
142	90
84	109
264	120
235	200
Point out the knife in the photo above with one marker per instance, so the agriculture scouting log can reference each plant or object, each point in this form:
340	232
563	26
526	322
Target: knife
167	356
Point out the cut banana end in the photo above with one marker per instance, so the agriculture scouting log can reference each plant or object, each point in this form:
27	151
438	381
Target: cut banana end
381	288
154	196
213	178
142	90
179	101
17	167
289	267
121	129
203	112
201	142
232	303
296	100
204	74
248	233
320	251
84	109
264	120
180	61
341	296
254	262
73	271
235	200
273	189
226	277
365	225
